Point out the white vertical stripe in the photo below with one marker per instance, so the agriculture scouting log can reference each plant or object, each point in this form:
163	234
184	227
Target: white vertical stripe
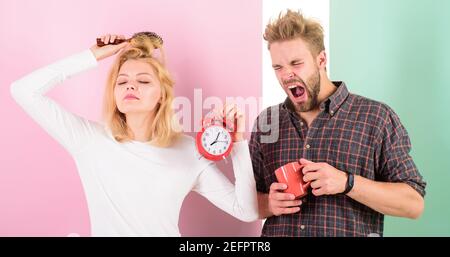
318	9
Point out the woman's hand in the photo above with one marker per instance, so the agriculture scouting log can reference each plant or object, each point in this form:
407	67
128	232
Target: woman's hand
103	52
235	120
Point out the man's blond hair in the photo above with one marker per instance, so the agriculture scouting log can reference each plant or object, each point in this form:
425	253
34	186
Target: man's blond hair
293	25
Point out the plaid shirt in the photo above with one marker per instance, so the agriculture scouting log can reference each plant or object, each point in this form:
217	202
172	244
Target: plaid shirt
351	133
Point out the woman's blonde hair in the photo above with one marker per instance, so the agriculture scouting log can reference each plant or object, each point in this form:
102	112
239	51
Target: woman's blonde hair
293	25
163	130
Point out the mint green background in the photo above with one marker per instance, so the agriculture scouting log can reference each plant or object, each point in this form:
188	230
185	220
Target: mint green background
398	52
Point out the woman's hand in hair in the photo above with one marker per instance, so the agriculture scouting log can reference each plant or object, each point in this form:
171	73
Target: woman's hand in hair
108	50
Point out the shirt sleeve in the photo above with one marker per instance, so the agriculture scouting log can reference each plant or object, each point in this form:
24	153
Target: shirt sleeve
238	200
70	130
395	163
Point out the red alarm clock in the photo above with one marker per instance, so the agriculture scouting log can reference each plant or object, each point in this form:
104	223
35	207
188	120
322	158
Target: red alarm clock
214	141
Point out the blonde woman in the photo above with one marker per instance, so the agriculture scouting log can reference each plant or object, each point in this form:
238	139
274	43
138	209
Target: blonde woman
136	169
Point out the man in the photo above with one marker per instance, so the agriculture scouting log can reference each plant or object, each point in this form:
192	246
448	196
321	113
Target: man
355	150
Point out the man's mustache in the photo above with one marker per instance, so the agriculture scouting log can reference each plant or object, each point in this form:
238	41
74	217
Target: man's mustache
293	80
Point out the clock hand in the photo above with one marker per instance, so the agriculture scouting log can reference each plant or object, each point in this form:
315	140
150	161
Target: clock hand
221	141
215	141
217	136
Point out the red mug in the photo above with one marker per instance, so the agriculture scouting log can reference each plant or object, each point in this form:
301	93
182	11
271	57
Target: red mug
291	174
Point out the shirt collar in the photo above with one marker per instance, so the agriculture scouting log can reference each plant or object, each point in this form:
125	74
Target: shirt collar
336	100
331	104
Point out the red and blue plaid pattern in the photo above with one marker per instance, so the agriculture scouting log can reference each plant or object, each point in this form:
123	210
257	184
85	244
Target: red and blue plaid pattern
353	134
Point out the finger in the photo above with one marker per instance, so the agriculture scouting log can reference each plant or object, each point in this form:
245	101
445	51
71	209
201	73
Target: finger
239	113
230	108
107	37
281	196
218	110
286	204
103	38
311	176
226	111
305	161
121	36
318	191
316	184
277	186
311	167
112	38
217	114
240	118
120	47
231	118
290	210
210	115
230	113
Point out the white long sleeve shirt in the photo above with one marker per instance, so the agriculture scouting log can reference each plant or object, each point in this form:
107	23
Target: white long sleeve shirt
133	188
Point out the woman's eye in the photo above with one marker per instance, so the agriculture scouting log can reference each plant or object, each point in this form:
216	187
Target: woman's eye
121	83
144	82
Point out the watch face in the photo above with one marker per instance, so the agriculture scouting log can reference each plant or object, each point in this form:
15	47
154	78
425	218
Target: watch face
216	140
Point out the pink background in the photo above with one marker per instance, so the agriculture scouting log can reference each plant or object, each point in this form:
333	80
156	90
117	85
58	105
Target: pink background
215	45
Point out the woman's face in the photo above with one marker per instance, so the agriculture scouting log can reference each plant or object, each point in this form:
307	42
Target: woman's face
137	88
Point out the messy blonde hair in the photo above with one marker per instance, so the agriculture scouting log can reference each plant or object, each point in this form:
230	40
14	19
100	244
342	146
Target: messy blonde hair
163	130
293	25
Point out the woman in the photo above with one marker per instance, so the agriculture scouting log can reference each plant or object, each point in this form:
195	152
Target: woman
136	169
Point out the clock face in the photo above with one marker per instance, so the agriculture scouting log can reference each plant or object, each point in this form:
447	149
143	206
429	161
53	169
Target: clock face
216	140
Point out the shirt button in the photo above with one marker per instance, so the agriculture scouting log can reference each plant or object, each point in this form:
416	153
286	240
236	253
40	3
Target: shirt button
301	123
331	112
308	146
302	227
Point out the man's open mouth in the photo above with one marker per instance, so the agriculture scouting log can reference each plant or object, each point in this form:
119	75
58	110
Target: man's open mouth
297	91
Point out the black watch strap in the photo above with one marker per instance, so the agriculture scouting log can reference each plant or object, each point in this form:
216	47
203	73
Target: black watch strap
350	183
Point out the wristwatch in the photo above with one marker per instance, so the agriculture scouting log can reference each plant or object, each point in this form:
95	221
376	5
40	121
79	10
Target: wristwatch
349	184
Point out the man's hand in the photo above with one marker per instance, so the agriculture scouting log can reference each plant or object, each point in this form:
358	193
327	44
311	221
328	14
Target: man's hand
388	198
325	179
282	203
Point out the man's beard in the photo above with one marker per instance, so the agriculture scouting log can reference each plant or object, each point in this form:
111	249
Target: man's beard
312	88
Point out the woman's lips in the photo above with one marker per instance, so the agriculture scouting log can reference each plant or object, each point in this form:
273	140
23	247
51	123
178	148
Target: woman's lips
131	97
